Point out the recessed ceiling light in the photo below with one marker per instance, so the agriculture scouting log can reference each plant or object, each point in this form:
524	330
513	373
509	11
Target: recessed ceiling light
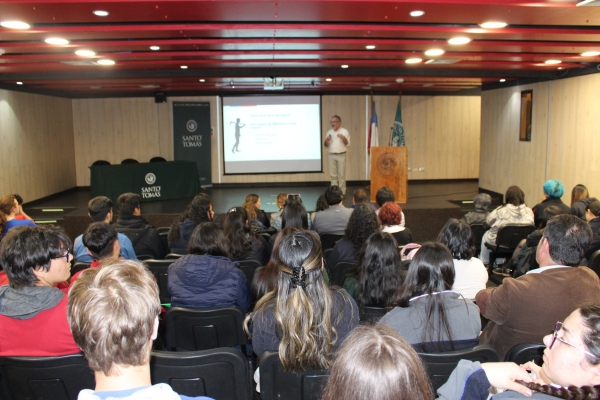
154	48
57	41
370	47
591	54
560	68
551	62
503	80
19	83
344	66
101	13
328	79
413	61
476	30
434	52
459	40
149	86
85	53
427	84
493	25
417	13
95	87
184	67
202	80
15	25
106	62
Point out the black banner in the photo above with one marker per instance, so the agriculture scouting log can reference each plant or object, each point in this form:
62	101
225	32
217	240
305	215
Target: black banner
191	136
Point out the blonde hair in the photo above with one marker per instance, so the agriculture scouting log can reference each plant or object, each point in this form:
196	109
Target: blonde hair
281	198
376	363
7	203
111	311
302	303
249	205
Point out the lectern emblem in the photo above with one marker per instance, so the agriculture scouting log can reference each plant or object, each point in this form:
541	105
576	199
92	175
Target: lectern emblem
150	178
386	164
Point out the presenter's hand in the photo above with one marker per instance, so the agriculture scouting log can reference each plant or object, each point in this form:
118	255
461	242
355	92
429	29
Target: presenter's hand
327	140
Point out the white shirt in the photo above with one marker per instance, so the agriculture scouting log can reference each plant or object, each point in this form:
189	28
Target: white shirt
470	277
542	269
337	145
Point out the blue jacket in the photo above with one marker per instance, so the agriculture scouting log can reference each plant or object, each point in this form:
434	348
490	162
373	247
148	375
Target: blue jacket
203	281
186	228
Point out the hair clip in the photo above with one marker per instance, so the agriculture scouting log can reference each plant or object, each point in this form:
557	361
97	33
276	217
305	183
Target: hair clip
297	280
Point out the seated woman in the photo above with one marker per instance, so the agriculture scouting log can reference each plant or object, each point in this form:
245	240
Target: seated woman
379	273
427	313
376	363
513	212
206	277
390	215
9	209
275	219
363	222
198	211
470	275
243	243
258	218
553	191
303	318
571	368
320	206
580	198
294	215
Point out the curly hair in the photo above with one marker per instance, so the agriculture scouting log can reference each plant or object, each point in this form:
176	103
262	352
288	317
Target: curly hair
390	214
458	237
7	203
363	222
198	211
250	204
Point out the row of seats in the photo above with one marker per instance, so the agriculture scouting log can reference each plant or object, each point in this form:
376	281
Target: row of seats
128	161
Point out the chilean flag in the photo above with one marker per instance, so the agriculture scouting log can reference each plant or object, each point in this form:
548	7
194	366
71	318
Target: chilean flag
373	131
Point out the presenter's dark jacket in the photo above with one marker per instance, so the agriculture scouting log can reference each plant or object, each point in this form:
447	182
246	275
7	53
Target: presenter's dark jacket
144	238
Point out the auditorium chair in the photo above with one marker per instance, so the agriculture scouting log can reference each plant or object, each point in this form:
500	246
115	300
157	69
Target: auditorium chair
249	267
130	161
340	271
159	269
173	256
218	373
100	162
277	384
371	315
40	378
328	240
440	365
478	231
190	329
157	159
524	352
509	237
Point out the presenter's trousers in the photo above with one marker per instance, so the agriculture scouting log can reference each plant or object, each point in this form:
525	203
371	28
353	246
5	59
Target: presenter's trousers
337	170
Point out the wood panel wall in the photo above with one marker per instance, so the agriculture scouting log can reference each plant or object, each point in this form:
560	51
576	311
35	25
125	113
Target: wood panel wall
565	138
438	131
36	145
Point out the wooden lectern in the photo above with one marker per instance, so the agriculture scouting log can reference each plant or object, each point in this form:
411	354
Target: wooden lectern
389	168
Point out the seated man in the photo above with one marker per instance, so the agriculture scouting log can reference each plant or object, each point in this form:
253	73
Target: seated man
33	313
115	335
335	218
520	310
360	196
144	237
100	210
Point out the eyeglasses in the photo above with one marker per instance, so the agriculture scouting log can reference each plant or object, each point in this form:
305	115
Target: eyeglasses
555	337
67	255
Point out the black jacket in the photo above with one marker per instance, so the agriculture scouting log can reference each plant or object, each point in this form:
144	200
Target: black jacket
538	209
144	238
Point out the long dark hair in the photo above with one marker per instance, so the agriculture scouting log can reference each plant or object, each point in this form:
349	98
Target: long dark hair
431	271
265	279
379	271
294	215
458	237
362	223
238	232
198	211
209	239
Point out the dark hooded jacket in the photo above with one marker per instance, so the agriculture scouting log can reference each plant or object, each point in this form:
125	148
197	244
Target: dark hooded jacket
144	238
186	228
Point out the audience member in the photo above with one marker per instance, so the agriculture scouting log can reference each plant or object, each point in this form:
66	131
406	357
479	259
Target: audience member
198	211
100	210
592	215
33	313
514	211
302	318
520	310
571	368
390	215
481	209
335	218
553	191
265	278
275	219
116	335
294	215
580	198
243	243
427	313
320	206
383	196
9	209
21	214
379	272
206	277
470	275
376	363
143	236
258	218
363	222
360	196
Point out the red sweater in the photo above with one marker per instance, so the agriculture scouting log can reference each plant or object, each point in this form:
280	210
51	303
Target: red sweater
46	334
3	278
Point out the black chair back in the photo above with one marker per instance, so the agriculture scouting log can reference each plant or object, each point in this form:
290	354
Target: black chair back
100	162
79	266
190	329
130	161
218	373
340	271
37	378
371	315
440	365
159	269
158	159
277	384
594	262
248	267
328	240
509	237
478	231
524	352
173	256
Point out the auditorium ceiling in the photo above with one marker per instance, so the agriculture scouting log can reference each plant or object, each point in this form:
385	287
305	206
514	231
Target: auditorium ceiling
175	47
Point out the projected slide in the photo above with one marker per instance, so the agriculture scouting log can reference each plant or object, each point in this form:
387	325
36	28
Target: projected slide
272	134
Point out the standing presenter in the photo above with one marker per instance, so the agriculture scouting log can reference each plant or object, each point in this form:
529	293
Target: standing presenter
337	140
